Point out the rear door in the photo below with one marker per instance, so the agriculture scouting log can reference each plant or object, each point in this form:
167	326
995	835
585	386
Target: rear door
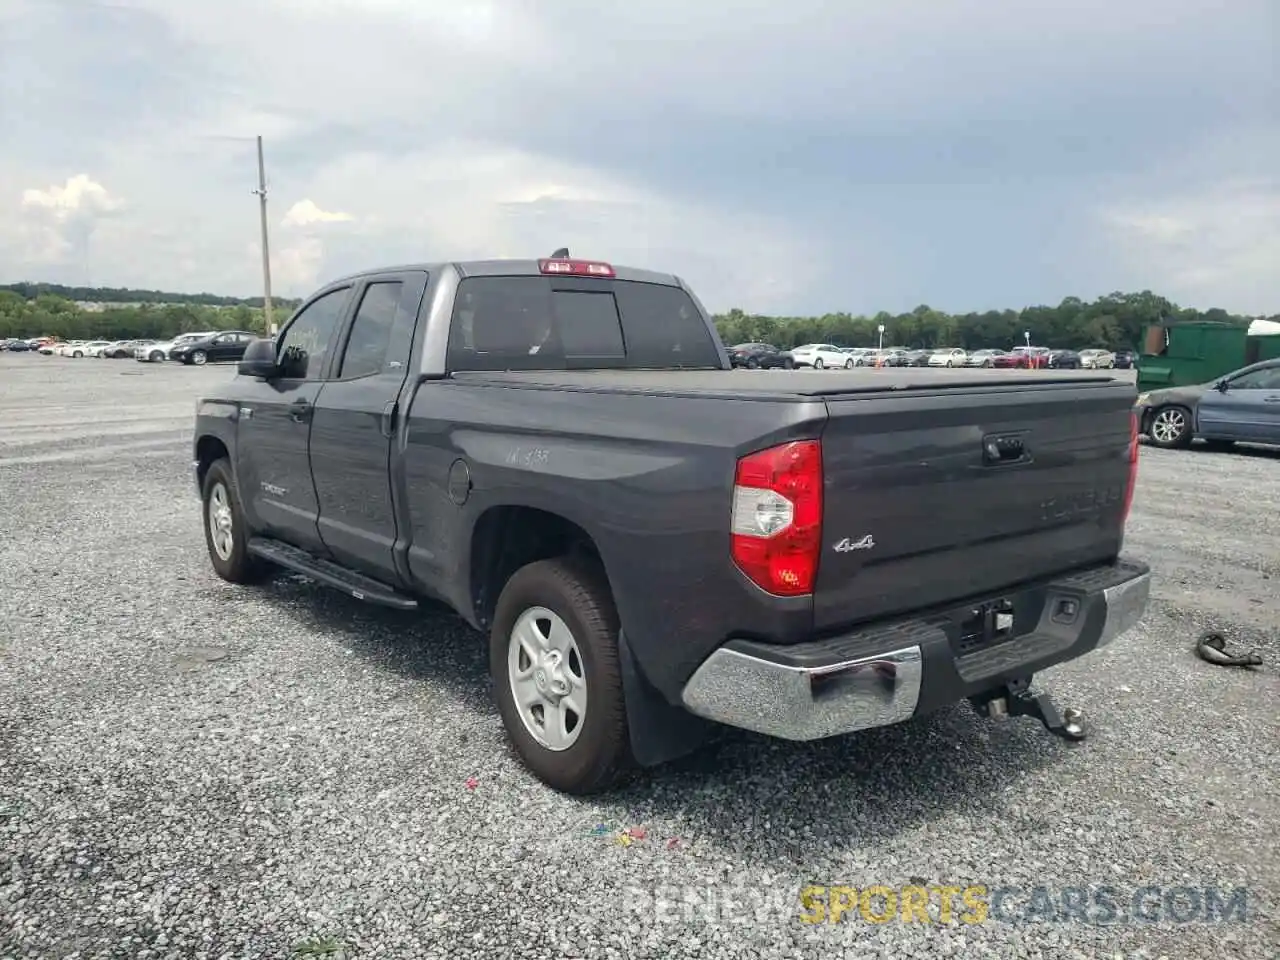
273	470
947	494
355	419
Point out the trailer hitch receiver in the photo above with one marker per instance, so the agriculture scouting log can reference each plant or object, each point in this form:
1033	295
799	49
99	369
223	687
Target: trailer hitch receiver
1015	699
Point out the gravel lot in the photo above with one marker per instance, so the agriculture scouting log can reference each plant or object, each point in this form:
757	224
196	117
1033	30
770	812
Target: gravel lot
190	769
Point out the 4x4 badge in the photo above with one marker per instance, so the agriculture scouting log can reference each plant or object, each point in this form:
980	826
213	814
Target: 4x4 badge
847	546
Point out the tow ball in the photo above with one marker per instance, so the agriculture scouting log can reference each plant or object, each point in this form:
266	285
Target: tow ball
1015	699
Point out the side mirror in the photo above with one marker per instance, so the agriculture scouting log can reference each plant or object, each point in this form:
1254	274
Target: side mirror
1222	386
259	360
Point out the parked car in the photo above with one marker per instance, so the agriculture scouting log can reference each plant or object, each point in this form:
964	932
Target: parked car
15	346
1125	359
888	357
1095	359
92	348
1031	357
1243	406
981	358
498	436
819	355
157	352
228	345
918	358
125	348
760	355
947	357
1064	360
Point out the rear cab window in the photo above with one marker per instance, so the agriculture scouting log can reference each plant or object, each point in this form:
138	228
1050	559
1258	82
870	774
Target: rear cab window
565	323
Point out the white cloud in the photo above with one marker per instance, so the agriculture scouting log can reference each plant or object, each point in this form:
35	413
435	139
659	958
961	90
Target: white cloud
306	213
80	196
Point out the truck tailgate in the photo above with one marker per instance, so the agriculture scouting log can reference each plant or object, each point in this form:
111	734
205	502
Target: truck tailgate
920	508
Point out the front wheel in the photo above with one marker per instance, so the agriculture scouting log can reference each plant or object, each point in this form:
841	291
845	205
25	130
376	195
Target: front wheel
817	363
553	656
848	364
78	354
225	532
753	364
1170	427
199	358
950	364
155	357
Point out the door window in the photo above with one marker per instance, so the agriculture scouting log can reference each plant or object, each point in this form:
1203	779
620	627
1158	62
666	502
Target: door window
1268	379
304	344
370	336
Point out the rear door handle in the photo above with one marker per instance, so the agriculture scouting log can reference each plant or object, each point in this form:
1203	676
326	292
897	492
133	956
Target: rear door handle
300	411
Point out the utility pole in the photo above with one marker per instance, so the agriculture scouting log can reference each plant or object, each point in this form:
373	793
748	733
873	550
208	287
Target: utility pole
266	253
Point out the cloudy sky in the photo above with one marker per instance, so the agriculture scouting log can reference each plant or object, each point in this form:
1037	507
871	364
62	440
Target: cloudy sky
797	156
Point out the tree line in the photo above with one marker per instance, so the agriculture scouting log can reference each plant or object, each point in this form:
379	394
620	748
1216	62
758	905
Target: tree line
125	295
1115	321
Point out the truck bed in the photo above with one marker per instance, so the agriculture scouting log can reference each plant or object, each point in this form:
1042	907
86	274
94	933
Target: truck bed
780	384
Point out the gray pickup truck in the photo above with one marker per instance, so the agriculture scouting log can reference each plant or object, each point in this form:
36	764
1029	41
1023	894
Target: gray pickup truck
659	546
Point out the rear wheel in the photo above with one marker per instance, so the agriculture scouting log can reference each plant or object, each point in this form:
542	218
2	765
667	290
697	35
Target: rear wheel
155	356
553	656
848	364
753	363
1170	427
817	363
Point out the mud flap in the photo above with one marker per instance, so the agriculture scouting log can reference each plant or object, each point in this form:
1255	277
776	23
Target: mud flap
659	731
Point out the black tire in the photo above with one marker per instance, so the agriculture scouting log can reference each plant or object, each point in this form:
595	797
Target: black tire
239	566
753	364
788	364
817	363
988	363
848	364
1170	427
950	364
577	592
155	356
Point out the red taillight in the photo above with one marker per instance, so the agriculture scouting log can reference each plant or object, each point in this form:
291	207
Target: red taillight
1133	466
576	268
777	517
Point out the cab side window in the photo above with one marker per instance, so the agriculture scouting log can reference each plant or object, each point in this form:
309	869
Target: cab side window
304	344
370	336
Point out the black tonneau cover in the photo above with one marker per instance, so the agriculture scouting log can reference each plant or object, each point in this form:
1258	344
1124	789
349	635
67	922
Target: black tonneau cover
781	384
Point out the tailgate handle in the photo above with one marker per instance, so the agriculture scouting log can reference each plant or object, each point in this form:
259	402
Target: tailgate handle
1003	449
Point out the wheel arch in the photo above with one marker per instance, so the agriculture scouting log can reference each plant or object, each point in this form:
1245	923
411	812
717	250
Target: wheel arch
506	537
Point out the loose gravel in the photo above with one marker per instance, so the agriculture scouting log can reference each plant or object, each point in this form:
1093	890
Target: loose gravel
192	769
